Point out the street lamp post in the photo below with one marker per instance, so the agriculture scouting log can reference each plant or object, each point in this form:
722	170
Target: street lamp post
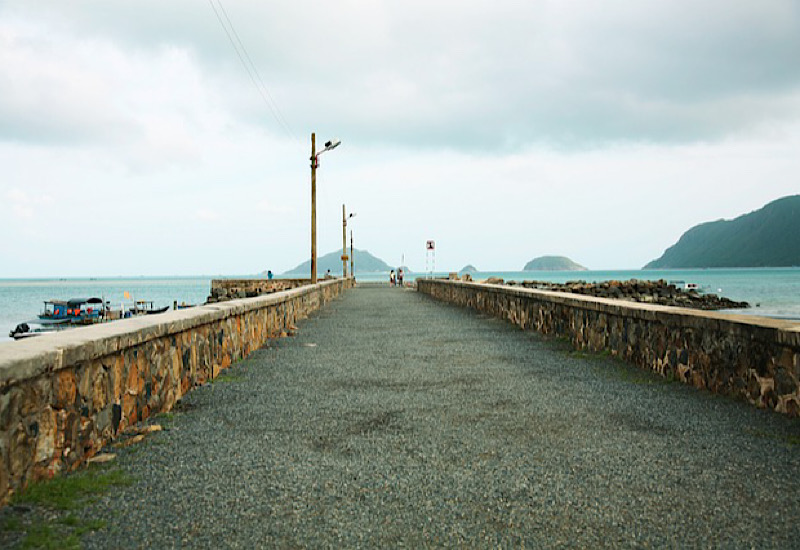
352	267
332	144
345	217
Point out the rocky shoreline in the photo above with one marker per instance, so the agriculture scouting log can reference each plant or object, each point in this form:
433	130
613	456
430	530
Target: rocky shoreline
653	292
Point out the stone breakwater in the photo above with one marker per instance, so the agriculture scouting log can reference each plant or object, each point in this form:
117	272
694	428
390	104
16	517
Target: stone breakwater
648	292
751	358
63	396
223	290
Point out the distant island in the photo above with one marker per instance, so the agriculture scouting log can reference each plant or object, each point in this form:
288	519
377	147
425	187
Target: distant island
769	237
552	263
364	263
469	268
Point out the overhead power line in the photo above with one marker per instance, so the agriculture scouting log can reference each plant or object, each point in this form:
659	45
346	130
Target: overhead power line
249	66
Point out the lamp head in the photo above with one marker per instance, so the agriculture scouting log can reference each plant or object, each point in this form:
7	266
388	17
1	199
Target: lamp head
332	144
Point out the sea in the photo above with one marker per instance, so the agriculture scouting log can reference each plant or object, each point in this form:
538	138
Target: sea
772	292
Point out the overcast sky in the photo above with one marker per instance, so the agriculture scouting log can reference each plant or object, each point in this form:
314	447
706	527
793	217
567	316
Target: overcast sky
134	142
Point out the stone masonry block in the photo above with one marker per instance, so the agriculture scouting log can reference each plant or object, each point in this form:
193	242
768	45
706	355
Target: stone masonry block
46	439
36	395
66	389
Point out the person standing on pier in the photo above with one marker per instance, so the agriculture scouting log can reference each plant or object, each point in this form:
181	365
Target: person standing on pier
391	278
400	277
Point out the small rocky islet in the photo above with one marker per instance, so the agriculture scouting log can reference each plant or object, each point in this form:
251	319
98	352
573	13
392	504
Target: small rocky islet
658	292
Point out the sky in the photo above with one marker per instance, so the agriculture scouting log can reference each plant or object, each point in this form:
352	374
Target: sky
136	140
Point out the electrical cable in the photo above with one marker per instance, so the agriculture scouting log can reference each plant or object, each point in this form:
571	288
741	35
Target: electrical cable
255	70
252	72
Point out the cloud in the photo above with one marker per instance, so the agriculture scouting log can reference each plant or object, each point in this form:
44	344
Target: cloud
15	195
485	76
22	211
207	215
24	206
578	74
48	98
269	207
503	129
62	88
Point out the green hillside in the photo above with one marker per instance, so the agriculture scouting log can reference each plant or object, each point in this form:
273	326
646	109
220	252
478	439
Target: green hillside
552	263
364	263
769	237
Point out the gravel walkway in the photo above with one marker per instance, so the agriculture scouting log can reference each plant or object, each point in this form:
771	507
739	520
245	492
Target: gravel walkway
394	420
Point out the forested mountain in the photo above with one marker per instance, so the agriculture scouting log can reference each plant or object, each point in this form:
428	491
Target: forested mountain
364	263
769	237
552	263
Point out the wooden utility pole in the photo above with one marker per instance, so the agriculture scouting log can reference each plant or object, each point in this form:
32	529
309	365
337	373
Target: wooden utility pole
344	243
313	209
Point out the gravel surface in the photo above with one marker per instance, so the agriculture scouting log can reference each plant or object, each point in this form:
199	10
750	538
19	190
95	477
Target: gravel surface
394	420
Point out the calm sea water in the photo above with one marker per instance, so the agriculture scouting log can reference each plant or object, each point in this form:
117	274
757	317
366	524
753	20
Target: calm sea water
23	299
772	292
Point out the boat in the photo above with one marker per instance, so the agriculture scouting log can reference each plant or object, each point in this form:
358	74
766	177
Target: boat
65	314
60	315
82	311
145	307
683	285
37	327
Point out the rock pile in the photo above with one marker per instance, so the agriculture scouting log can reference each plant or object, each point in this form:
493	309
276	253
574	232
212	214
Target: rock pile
654	292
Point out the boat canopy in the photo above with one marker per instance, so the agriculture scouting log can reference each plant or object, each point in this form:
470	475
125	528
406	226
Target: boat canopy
75	302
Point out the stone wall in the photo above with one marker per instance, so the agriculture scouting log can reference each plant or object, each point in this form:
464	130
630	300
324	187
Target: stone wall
753	358
64	395
231	289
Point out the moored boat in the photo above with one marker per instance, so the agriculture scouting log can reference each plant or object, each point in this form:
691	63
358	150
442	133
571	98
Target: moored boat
683	285
65	314
76	310
146	307
61	315
37	327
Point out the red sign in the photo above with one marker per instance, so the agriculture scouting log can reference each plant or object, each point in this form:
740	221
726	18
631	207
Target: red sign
430	245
